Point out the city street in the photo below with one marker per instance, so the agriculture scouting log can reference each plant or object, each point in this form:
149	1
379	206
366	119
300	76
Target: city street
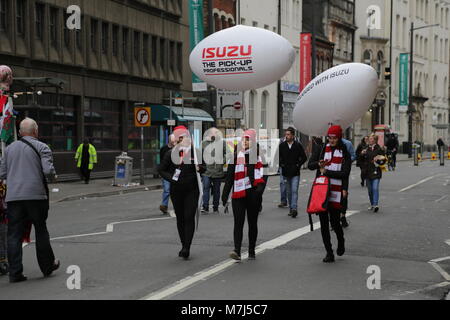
126	249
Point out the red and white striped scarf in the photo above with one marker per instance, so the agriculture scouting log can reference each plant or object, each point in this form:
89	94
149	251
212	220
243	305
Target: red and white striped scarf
334	163
241	179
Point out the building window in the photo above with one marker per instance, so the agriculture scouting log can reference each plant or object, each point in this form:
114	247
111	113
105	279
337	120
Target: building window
367	58
40	11
145	51
216	22
94	35
78	35
380	63
115	41
264	99
20	15
4	4
57	127
154	51
102	123
66	31
180	57
251	109
125	44
162	43
54	27
172	56
105	37
137	45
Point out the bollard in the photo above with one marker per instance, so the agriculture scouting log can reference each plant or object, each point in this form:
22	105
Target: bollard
433	157
416	155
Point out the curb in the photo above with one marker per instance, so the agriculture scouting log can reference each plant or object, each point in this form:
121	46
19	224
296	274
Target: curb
108	193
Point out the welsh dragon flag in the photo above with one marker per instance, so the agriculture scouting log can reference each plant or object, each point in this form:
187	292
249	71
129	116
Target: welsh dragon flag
7	123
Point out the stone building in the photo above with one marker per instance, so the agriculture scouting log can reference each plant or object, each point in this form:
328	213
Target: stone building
125	52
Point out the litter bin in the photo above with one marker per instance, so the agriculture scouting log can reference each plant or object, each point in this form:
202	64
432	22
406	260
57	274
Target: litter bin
124	170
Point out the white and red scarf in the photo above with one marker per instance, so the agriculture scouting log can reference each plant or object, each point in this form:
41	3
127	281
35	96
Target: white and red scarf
334	161
241	178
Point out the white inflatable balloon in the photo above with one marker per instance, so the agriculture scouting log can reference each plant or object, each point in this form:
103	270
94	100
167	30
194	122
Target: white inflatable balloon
339	96
242	58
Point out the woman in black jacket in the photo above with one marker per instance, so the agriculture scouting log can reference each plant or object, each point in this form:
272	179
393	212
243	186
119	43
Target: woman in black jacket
179	168
246	181
359	162
334	162
372	157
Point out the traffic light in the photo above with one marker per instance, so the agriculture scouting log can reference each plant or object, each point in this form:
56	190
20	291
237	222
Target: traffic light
387	74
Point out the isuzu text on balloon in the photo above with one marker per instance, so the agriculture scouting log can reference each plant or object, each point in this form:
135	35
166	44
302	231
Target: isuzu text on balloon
242	58
339	96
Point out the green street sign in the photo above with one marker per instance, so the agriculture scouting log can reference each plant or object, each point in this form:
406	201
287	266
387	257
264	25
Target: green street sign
403	88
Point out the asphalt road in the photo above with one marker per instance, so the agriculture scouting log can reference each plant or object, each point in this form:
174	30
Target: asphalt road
138	257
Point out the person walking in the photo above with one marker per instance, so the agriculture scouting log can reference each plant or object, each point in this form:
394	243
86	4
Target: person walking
373	157
86	157
440	144
179	167
212	178
3	232
349	146
164	207
25	166
246	180
292	157
392	146
334	162
359	161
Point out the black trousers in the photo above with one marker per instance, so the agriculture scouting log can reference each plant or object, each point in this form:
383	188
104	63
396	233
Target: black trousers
85	174
19	214
332	216
185	203
249	205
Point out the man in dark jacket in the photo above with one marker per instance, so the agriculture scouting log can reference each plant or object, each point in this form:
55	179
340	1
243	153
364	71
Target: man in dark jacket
292	157
164	207
214	174
392	149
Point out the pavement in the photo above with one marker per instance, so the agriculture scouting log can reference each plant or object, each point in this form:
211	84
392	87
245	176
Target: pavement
69	191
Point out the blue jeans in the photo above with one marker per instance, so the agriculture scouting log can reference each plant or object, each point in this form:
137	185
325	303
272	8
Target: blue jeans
283	189
209	183
374	194
292	185
166	193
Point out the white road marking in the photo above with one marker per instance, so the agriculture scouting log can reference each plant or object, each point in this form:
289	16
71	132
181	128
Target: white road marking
434	286
208	273
441	198
109	229
438	268
419	183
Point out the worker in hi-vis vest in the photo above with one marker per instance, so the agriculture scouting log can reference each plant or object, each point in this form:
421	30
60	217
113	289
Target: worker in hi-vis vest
86	157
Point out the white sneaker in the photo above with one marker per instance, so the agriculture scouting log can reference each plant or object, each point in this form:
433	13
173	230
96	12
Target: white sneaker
370	208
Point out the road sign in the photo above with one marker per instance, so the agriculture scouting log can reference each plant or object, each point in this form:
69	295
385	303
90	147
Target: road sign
142	117
171	123
227	103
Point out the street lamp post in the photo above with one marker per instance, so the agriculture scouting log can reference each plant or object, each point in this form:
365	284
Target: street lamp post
411	66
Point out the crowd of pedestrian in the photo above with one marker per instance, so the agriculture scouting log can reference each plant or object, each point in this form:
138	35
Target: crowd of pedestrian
189	181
